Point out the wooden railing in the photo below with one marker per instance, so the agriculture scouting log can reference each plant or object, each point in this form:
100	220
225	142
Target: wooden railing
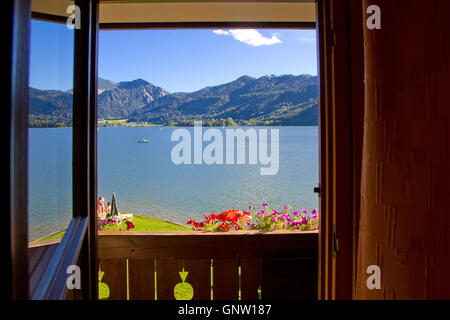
204	266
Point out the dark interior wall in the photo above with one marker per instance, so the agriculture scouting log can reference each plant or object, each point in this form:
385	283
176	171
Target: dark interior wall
405	206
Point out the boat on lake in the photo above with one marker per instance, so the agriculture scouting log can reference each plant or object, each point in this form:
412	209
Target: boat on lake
142	140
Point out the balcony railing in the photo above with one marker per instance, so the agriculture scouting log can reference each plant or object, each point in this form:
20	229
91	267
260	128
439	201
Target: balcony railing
219	266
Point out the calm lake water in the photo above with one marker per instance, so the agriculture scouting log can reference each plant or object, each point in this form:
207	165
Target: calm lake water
147	182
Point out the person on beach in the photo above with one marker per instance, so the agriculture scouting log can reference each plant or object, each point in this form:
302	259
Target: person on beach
100	205
108	209
101	208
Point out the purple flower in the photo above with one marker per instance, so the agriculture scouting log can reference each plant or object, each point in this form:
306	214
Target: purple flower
250	208
274	227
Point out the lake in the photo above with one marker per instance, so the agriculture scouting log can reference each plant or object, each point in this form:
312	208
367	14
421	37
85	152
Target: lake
147	182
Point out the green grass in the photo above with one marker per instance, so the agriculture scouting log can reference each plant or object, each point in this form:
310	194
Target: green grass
55	236
141	223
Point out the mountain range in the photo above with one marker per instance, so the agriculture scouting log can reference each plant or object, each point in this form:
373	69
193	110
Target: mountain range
268	100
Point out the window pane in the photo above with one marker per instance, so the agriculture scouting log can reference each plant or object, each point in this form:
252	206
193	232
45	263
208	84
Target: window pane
154	83
50	132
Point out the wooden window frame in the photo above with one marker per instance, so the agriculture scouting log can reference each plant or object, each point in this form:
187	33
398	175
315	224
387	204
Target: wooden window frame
78	245
341	109
17	14
340	63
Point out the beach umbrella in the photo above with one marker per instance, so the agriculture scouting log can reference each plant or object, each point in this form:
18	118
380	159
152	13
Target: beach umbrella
114	210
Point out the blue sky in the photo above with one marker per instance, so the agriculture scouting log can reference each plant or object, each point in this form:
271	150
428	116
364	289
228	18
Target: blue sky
176	60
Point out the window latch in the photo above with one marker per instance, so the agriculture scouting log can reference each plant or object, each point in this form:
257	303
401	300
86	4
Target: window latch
335	242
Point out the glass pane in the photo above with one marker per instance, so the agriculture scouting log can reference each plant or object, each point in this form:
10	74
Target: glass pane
50	132
153	85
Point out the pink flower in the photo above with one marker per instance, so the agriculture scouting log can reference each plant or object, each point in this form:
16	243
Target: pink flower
285	207
120	229
304	211
265	204
295	213
130	225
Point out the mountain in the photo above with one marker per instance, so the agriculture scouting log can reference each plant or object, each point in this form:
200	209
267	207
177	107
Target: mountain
269	100
116	101
49	108
102	85
127	97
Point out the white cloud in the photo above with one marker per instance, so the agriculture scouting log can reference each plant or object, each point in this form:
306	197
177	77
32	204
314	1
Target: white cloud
220	31
249	36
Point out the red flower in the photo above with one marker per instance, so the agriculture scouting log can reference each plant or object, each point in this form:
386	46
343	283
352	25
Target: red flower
232	215
225	221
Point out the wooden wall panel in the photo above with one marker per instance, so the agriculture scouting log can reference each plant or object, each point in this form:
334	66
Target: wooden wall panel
405	224
167	277
199	277
115	276
141	274
225	279
289	279
251	277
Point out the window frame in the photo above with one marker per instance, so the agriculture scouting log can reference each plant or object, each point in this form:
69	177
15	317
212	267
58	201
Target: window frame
339	151
78	245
